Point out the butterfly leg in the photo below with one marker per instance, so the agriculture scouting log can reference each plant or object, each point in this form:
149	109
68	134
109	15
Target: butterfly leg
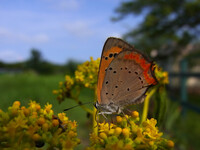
126	117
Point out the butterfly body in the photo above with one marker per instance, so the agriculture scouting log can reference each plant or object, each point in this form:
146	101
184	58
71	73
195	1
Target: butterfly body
125	75
110	108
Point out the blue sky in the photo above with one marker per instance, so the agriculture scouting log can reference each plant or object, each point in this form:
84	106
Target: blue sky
60	29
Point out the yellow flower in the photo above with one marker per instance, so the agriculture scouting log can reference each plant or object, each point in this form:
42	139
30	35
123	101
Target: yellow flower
16	104
36	137
118	130
151	129
63	117
103	135
55	122
41	121
170	144
135	114
69	82
125	132
55	92
20	122
119	119
128	134
45	126
162	76
86	73
104	127
32	127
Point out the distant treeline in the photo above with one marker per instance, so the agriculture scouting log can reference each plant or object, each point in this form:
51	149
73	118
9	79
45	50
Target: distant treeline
38	65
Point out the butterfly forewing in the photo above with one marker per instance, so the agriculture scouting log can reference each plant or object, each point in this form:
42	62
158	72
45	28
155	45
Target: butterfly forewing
111	48
127	79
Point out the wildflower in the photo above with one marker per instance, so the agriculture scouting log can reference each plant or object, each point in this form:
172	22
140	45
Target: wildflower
32	127
103	135
16	104
36	137
68	82
170	144
87	73
135	114
55	92
119	119
55	122
118	130
129	136
41	121
45	127
125	132
162	76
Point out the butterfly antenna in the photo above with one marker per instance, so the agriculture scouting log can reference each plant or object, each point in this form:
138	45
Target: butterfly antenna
77	106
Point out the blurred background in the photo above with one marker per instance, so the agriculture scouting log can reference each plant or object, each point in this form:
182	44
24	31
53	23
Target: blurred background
43	40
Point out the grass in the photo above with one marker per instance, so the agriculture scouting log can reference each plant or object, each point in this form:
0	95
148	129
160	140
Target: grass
26	87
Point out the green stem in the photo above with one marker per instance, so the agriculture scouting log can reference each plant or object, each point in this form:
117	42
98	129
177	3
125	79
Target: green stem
146	104
94	118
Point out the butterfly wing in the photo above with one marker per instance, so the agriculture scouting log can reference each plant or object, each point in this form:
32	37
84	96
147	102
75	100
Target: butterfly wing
111	48
127	79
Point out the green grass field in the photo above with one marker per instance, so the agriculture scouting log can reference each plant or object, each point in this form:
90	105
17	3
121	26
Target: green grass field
26	87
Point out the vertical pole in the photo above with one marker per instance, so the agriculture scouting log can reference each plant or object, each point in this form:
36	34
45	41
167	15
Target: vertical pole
183	86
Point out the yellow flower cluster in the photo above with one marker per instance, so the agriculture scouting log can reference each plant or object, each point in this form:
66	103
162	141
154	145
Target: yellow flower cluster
32	127
162	76
87	73
126	134
85	76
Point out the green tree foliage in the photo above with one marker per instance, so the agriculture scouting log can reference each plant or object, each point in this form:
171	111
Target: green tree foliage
39	65
70	67
168	25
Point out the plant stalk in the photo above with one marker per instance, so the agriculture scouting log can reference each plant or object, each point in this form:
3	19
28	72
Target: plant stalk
146	104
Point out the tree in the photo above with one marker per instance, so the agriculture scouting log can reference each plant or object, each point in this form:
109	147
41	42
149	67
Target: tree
35	60
168	25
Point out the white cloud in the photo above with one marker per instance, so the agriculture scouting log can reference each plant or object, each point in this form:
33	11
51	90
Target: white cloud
8	35
79	28
10	56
